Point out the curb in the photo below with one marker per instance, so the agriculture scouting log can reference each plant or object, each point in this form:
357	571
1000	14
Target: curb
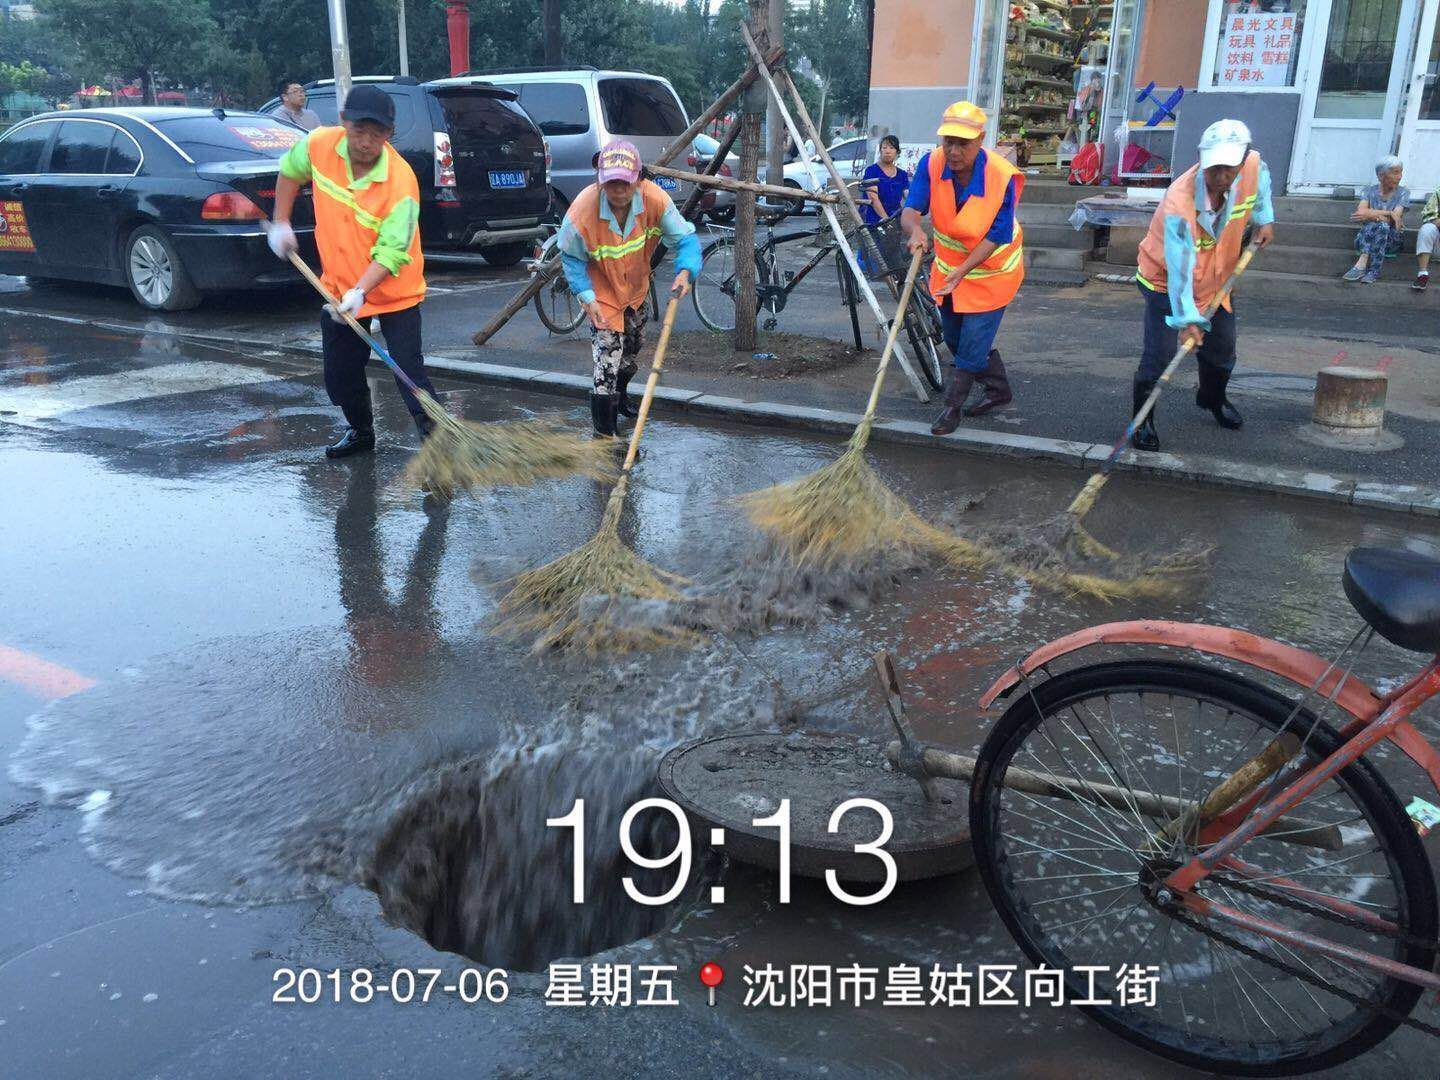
1206	471
1196	469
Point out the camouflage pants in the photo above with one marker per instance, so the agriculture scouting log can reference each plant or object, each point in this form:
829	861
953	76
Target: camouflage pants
614	352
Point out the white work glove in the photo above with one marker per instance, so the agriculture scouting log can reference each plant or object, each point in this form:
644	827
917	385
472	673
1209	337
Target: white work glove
282	239
349	304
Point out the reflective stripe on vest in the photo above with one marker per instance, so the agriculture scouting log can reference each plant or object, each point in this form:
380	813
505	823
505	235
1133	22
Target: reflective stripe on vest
629	247
341	195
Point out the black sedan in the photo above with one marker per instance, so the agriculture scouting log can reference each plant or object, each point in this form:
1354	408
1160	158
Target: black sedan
169	202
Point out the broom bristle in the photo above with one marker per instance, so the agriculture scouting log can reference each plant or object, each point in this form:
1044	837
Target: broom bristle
1061	555
548	602
460	455
842	513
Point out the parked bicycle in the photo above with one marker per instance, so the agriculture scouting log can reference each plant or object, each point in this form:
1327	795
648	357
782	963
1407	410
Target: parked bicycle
1175	814
783	262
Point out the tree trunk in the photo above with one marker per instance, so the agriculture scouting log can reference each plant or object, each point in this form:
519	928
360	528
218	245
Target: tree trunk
752	109
147	86
551	12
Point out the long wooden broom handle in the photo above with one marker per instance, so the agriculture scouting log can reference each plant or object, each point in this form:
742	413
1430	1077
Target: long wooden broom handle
365	335
895	324
1083	501
655	366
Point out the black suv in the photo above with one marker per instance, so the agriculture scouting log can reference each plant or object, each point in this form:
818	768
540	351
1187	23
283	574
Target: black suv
481	162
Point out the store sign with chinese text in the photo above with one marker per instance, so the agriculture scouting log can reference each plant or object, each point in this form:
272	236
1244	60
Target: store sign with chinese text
1255	50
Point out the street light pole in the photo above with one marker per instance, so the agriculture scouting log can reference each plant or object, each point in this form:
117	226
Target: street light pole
404	42
339	50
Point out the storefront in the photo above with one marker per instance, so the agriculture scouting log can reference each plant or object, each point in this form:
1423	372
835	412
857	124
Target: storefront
1328	86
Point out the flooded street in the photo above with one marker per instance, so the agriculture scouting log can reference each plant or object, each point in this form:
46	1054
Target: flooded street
255	716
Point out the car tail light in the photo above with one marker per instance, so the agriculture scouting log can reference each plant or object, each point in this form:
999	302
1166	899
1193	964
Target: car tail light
692	161
230	206
725	170
546	143
444	166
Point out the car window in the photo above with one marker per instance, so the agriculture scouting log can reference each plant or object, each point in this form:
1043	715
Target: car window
556	108
81	147
847	151
322	103
640	107
124	156
20	149
236	138
472	117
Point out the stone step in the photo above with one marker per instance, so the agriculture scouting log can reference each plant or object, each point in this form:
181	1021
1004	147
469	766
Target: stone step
1391	294
1312	234
1056	236
1298	208
1052	191
1055	258
1045	213
1314	262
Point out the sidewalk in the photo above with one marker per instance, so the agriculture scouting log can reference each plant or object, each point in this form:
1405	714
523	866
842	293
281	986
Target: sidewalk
1071	353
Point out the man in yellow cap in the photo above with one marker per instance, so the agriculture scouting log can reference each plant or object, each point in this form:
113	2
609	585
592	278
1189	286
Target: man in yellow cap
971	197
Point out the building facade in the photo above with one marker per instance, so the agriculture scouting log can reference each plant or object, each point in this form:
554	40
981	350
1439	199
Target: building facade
1327	86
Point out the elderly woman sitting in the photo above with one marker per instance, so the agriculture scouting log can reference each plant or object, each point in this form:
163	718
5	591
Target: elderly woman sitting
1380	212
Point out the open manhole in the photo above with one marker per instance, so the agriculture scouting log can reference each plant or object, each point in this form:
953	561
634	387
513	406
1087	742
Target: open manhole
728	781
471	865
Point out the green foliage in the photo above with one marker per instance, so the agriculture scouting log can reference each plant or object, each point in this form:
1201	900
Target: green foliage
241	48
25	77
136	38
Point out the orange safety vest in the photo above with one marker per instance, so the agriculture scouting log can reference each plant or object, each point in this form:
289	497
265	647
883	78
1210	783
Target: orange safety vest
994	283
619	265
1215	258
347	222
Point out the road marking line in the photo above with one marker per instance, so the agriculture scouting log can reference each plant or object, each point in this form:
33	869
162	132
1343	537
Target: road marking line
38	676
47	401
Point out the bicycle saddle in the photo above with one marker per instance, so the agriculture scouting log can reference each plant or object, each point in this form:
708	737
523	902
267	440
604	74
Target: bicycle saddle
1398	593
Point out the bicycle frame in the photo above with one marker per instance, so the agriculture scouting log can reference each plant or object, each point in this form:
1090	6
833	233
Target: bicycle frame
1373	718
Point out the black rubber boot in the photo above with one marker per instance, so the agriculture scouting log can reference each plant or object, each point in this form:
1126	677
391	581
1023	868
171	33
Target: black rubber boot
1145	437
602	414
360	438
622	390
996	384
1210	394
956	391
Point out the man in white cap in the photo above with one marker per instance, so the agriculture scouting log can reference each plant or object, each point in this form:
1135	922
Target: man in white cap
610	233
1194	242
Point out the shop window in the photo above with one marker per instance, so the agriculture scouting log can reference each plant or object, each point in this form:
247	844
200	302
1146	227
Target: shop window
1259	44
1359	49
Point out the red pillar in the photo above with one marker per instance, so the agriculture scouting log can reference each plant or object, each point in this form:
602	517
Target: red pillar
457	22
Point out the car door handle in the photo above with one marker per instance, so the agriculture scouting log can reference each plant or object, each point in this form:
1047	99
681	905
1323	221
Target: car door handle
19	189
109	191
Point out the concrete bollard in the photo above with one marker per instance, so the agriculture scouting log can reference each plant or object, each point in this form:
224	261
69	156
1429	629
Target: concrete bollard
1349	411
1350	398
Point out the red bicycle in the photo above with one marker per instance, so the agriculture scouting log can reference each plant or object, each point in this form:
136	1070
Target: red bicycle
1177	814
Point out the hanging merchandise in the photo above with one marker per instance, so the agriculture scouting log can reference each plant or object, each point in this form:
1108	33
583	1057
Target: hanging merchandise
1053	80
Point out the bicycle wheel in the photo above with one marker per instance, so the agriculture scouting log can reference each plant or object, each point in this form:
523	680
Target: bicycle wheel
556	305
927	341
714	291
1071	878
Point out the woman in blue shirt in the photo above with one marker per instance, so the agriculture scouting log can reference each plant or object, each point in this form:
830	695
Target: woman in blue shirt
887	195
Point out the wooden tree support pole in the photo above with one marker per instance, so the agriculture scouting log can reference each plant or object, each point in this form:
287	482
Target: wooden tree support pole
841	240
541	278
726	183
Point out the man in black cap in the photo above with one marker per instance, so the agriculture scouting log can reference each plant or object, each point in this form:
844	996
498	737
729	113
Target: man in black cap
367	213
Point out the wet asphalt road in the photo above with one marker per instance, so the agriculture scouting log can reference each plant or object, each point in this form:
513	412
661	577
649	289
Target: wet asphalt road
229	667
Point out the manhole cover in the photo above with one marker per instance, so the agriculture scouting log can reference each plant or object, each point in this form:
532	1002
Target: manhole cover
727	781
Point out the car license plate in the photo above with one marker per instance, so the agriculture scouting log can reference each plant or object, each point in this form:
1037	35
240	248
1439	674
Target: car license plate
668	183
507	178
